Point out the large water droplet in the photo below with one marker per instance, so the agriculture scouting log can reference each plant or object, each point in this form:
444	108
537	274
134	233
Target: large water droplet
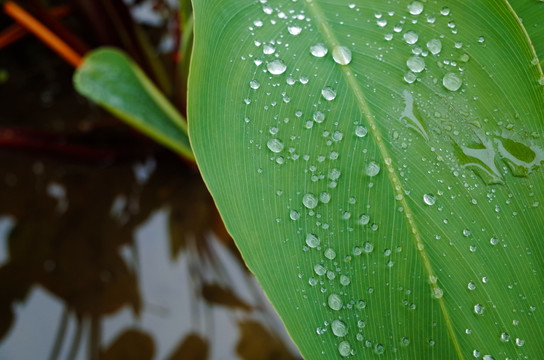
344	348
328	93
309	200
275	145
341	55
276	67
429	199
361	131
416	64
372	169
479	309
339	328
294	29
335	302
452	82
312	241
410	37
434	46
415	8
318	50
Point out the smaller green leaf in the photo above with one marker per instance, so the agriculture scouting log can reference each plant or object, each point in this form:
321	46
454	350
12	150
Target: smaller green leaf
111	79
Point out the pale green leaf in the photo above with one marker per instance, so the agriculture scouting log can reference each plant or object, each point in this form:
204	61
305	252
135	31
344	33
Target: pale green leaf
410	206
114	81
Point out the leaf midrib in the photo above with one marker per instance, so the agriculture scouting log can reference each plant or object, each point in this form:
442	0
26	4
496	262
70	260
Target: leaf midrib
396	184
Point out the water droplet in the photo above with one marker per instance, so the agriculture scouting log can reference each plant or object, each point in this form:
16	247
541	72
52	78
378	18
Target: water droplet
368	247
493	241
415	8
254	84
379	349
341	55
466	232
372	169
520	342
416	64
328	93
471	285
325	197
479	309
361	131
344	280
410	77
275	145
335	302
434	46
429	199
505	337
452	82
312	241
268	49
318	50
319	117
344	348
437	293
276	67
404	341
294	30
294	215
339	328
312	281
363	219
476	353
410	37
445	11
309	200
330	254
488	357
337	136
320	269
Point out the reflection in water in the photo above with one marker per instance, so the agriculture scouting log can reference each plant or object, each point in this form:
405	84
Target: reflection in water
127	260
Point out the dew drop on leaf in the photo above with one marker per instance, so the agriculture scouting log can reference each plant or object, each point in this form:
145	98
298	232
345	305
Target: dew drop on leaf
452	82
312	241
254	84
309	200
410	37
505	337
416	64
318	50
294	30
344	348
328	93
341	55
335	302
294	215
361	131
429	199
330	254
415	8
276	67
275	145
479	309
339	328
434	46
372	169
319	117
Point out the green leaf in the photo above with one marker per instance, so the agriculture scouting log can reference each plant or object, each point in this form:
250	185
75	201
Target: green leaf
112	80
383	210
531	13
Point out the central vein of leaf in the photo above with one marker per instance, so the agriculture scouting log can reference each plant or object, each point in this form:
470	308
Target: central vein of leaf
362	103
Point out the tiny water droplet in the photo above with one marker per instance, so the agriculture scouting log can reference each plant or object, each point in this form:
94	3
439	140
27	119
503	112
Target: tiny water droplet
520	342
335	302
505	337
328	93
318	50
379	349
320	269
339	328
368	247
325	197
344	280
404	341
429	199
275	145
294	215
466	232
363	219
452	82
341	55
254	84
276	67
471	285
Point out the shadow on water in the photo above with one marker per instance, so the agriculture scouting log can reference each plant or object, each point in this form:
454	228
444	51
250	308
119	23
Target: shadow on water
111	247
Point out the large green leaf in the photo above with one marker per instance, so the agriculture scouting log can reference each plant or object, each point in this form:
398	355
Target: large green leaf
531	12
392	205
111	79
